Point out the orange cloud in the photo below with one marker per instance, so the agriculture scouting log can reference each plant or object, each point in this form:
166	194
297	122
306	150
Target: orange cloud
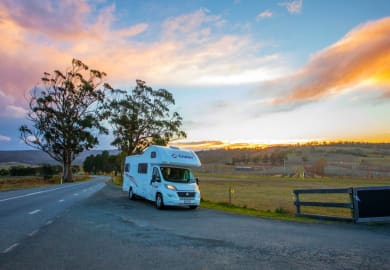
207	145
361	57
62	19
188	49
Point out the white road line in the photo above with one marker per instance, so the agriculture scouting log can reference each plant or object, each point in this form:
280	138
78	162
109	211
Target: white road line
62	200
10	248
76	194
34	212
31	234
38	192
49	222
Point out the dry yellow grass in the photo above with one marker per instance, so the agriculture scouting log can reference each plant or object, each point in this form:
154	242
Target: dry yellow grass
269	193
11	183
117	180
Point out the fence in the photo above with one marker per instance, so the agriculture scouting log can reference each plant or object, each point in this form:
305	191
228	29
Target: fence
367	204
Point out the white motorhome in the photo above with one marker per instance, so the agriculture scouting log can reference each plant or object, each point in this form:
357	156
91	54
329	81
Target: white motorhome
162	175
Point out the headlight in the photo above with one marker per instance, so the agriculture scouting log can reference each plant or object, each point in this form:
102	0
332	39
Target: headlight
170	187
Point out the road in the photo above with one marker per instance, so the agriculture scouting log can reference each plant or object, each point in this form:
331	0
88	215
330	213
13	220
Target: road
107	231
24	212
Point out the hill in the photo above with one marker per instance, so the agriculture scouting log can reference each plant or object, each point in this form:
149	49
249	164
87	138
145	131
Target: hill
36	157
344	159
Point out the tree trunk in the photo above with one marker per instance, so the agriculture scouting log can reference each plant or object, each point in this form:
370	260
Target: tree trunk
67	172
122	161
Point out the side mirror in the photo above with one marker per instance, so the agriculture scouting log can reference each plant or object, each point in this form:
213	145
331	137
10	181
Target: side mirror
155	179
197	181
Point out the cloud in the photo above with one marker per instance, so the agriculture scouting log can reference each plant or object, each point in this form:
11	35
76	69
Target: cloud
63	19
8	109
264	15
190	49
293	7
360	58
133	30
4	138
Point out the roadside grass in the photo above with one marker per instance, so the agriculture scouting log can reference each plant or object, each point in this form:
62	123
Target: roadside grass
20	182
280	215
117	180
272	194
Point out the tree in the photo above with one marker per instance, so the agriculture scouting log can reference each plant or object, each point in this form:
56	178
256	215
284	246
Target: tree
89	164
265	158
142	118
65	114
102	163
319	167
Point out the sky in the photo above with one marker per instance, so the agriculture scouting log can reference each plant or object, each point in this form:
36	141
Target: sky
241	71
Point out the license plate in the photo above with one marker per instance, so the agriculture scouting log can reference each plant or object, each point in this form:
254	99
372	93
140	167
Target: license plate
187	201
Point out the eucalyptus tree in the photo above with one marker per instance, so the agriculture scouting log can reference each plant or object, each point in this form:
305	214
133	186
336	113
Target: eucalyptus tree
143	117
65	114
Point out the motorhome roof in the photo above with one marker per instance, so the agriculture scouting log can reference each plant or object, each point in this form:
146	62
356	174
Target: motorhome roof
172	156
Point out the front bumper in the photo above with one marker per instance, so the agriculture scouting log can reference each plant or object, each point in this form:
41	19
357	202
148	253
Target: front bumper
174	200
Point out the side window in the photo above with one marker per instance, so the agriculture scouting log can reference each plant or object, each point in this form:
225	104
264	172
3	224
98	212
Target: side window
142	168
156	175
127	167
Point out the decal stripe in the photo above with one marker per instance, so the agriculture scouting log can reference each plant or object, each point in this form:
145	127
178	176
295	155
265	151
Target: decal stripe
132	179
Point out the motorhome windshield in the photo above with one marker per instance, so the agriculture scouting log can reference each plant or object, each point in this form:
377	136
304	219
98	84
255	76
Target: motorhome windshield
178	175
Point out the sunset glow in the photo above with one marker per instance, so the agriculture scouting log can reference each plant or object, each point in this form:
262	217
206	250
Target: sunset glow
252	73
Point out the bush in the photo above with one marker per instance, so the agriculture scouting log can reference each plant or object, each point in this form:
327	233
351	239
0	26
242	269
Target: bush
22	171
47	171
4	172
281	210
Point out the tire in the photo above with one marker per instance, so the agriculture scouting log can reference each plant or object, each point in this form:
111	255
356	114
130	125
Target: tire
193	207
159	202
131	194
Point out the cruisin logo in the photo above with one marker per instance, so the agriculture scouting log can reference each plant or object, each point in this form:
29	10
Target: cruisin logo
174	155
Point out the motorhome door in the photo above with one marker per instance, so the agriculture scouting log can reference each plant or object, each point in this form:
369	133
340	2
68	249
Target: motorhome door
155	183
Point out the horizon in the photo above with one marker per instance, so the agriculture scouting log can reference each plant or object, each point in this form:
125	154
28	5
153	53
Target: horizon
220	145
241	72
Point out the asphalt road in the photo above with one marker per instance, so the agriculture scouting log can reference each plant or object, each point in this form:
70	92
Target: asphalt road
24	212
107	231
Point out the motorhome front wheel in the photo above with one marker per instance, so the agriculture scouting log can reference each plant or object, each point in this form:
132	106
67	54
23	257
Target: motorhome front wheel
159	201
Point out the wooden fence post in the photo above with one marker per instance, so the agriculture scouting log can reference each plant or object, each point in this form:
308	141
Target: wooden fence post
297	204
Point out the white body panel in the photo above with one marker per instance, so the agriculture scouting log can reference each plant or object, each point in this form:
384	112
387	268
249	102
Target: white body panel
150	173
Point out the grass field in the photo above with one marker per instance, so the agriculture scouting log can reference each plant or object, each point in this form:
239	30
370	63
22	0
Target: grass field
275	194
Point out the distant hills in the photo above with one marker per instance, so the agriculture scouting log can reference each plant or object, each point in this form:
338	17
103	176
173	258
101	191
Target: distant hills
36	157
356	159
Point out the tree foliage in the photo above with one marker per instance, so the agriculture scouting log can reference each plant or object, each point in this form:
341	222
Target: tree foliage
143	117
64	112
102	163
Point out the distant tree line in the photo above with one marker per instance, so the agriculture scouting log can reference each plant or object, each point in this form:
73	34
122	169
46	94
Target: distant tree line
46	171
274	158
102	163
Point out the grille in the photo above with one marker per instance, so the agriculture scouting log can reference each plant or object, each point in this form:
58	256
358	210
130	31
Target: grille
186	194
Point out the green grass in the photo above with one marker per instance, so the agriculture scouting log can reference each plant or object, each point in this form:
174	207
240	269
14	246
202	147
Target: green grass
280	215
268	194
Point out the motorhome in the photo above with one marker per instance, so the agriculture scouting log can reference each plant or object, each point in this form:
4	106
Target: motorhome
163	175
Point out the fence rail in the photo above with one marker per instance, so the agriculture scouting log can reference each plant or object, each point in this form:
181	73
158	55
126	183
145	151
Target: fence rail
298	203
